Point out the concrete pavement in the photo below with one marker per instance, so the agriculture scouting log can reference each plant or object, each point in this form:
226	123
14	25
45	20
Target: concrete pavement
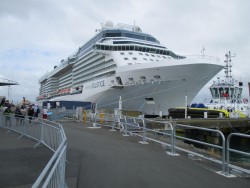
20	163
107	159
99	158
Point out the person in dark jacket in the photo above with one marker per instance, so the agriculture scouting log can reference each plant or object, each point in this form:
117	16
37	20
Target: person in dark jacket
30	113
7	113
19	116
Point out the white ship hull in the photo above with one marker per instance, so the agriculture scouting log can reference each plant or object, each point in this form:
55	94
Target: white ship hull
165	84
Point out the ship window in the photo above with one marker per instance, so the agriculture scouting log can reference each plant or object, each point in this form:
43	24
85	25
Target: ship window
125	58
214	92
127	48
221	92
164	57
140	53
134	58
132	48
158	56
152	55
226	94
145	59
112	35
97	47
151	59
130	53
122	53
146	54
232	92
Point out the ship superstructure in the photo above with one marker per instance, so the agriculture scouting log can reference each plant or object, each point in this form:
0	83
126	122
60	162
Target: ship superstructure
122	61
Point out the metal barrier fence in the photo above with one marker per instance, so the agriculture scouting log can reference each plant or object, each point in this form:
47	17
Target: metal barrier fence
167	137
219	133
48	133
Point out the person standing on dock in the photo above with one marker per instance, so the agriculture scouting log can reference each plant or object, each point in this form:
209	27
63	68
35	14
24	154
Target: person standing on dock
36	112
45	113
19	116
30	113
6	113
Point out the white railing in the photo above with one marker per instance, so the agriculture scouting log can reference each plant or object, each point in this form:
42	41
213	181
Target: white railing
51	135
211	58
167	136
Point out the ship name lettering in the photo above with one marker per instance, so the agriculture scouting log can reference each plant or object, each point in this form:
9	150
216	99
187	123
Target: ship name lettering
98	84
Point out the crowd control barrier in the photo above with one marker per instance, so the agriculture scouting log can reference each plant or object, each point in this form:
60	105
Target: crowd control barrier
51	135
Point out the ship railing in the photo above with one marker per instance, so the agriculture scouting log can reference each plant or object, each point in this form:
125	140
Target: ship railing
49	134
206	57
176	137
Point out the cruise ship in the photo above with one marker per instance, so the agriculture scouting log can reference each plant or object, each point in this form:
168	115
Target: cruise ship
122	62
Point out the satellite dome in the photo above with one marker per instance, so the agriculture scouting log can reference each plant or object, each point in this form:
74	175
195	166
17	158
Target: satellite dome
108	24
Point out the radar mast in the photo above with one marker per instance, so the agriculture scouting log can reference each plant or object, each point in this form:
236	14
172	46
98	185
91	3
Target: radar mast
228	67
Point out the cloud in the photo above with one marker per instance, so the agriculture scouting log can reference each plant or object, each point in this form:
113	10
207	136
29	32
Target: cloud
36	35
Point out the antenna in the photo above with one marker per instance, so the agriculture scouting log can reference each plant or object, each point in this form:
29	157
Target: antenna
203	51
228	66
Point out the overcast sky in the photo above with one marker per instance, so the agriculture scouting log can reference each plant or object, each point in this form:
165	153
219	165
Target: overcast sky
36	35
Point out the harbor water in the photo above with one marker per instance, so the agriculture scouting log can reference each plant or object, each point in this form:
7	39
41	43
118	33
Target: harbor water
241	144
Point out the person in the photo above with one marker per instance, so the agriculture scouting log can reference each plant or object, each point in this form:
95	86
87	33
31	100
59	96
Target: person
226	95
36	111
45	113
30	113
6	113
19	116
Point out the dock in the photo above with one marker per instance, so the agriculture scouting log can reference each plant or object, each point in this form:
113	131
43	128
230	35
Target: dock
101	158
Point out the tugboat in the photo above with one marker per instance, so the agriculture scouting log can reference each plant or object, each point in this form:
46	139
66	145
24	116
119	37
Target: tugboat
227	100
227	93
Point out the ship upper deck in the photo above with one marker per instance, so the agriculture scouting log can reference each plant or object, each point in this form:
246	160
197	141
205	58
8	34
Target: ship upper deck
121	35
